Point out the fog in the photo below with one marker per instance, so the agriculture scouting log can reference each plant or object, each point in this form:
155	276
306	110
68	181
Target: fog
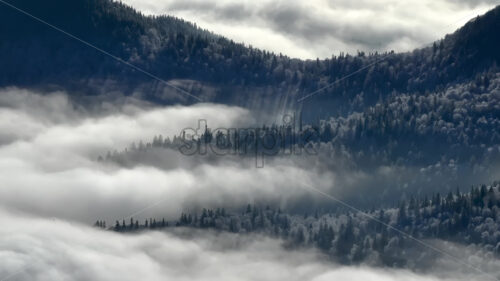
50	144
34	248
53	189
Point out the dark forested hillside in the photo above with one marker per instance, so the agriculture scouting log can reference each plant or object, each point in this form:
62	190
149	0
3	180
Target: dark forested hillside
383	236
432	141
35	55
456	129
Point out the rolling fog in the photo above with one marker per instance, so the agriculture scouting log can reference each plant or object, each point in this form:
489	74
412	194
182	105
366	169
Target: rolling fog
53	189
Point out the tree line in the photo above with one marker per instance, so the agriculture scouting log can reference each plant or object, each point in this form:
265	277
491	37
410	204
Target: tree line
471	218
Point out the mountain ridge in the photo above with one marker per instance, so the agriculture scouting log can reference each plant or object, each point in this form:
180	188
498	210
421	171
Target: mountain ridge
215	68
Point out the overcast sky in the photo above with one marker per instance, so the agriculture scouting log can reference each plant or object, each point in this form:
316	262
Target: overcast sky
320	28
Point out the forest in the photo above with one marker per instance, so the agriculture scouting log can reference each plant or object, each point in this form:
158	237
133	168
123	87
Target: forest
459	125
173	49
368	165
352	236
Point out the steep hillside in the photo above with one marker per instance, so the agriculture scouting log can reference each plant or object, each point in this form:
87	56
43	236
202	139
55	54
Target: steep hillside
215	68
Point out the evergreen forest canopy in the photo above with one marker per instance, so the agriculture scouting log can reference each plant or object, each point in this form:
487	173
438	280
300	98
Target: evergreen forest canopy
407	128
378	236
217	69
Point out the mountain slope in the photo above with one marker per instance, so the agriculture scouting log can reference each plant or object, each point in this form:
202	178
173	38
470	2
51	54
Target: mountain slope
35	55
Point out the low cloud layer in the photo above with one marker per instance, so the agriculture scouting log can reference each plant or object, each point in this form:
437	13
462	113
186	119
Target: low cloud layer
34	248
49	149
320	28
53	189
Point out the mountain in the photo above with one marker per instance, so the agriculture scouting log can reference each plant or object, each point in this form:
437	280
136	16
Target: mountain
35	55
435	109
432	114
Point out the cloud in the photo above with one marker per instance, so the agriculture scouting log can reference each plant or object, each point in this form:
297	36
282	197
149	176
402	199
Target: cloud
52	187
48	161
49	146
320	28
57	250
34	248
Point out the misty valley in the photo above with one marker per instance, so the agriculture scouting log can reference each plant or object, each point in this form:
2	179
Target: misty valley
170	140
